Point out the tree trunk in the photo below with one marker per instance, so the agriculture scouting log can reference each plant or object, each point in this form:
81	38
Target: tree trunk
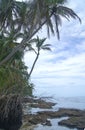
33	65
18	47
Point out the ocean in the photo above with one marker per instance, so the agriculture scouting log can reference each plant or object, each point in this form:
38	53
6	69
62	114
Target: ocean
62	101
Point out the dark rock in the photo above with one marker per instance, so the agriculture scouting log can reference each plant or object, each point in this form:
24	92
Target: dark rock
76	118
38	103
74	122
48	123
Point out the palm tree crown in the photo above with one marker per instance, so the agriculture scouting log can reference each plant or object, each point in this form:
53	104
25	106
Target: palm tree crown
39	45
29	17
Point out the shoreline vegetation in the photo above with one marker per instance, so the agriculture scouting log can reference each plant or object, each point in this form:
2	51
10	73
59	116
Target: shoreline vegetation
20	21
76	117
10	112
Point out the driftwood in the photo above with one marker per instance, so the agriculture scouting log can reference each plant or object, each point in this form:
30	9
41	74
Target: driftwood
10	112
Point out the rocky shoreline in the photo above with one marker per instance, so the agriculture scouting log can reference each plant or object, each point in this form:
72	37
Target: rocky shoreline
76	118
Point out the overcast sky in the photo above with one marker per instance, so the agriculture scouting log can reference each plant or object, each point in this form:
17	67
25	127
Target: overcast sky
63	69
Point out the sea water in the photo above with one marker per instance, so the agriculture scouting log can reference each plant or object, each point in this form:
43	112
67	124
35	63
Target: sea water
62	101
64	97
54	126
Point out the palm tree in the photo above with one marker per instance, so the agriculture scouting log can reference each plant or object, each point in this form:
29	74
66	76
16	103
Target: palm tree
40	45
10	12
31	16
13	74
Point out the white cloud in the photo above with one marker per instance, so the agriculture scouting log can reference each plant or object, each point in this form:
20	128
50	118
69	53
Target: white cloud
73	66
65	65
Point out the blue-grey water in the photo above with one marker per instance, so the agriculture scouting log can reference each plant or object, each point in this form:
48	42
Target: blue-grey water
68	97
68	100
54	126
62	102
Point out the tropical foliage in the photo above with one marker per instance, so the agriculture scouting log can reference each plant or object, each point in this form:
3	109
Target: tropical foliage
38	46
29	17
19	22
13	75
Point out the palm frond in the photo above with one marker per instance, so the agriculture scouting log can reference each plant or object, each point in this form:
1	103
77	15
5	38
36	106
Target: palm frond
46	48
57	23
65	11
47	45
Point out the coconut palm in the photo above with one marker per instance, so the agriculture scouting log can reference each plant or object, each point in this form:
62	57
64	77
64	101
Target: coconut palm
13	75
23	20
39	45
31	16
10	11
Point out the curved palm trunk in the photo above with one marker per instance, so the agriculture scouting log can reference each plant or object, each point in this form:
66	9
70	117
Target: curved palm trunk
67	14
33	65
18	47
